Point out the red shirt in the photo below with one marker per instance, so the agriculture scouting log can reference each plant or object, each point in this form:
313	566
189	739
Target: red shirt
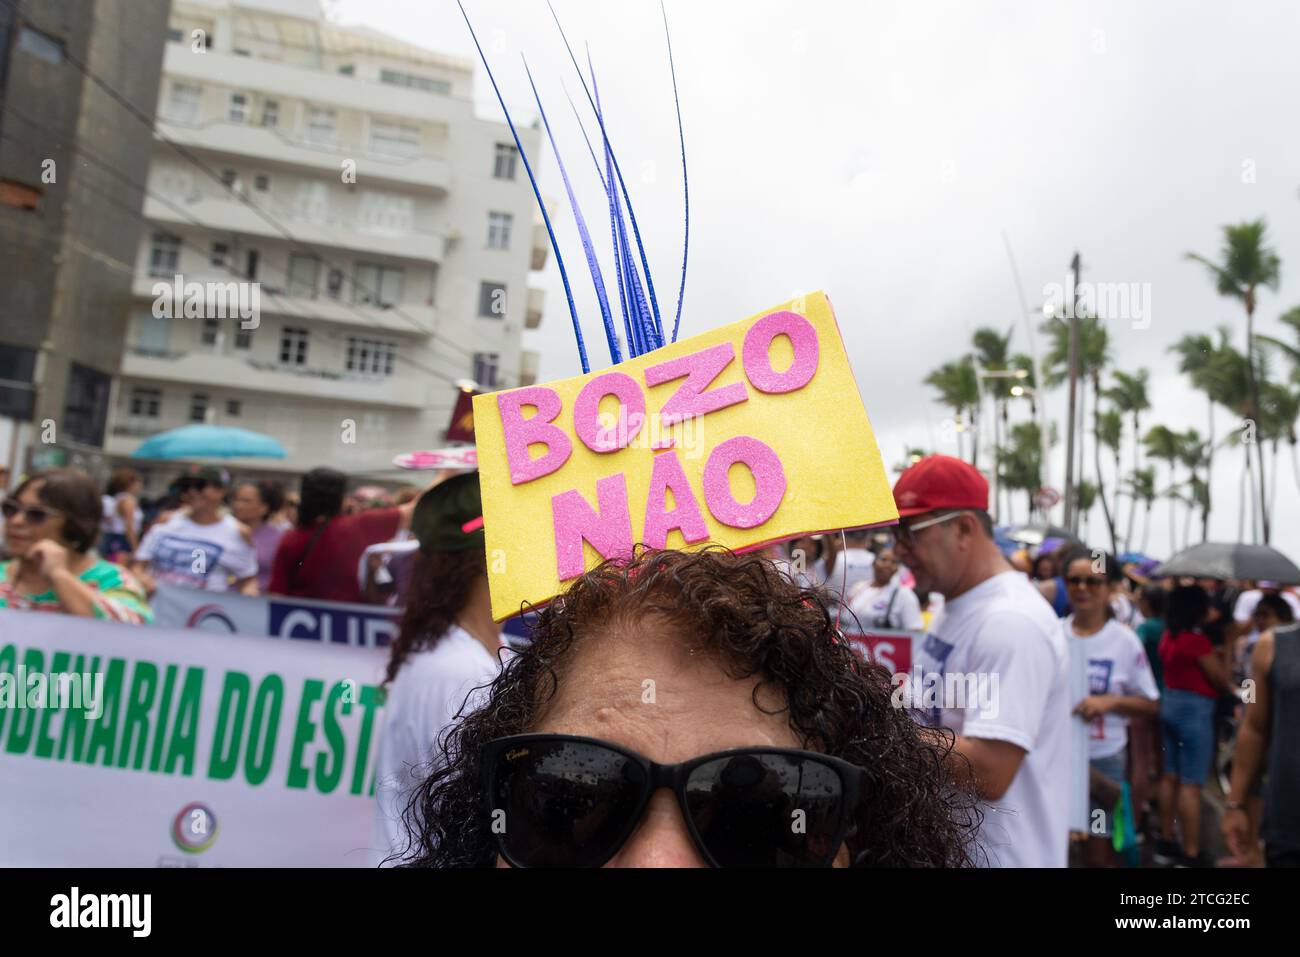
329	571
1179	655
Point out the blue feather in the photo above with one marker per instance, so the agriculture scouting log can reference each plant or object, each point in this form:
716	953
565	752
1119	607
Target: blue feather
550	231
686	189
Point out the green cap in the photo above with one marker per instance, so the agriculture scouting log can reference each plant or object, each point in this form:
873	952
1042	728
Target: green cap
214	475
449	517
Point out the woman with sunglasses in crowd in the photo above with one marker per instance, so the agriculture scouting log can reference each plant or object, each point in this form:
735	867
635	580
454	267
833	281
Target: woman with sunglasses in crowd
699	709
1120	684
51	524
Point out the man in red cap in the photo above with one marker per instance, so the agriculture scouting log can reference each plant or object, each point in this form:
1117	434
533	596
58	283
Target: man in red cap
995	634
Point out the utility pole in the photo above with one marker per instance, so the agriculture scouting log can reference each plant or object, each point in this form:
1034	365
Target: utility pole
1071	512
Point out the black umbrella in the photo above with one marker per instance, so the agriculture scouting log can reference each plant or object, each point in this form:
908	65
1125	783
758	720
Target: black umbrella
1037	534
1222	560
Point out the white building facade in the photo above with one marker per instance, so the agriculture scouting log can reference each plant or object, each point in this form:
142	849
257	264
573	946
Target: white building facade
339	179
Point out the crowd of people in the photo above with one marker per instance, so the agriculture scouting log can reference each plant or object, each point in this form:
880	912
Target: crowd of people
761	709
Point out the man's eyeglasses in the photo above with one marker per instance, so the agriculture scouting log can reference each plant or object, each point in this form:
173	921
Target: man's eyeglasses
32	514
568	801
906	534
1087	581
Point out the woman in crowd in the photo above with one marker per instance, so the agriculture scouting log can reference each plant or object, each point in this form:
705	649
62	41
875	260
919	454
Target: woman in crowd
1051	578
1120	683
691	710
123	518
446	649
51	524
256	504
1194	674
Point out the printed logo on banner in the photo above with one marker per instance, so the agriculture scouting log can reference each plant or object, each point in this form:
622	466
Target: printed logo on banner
194	829
343	626
211	618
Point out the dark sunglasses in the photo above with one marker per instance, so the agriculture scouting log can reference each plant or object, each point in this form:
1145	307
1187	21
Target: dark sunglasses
557	800
1095	581
32	514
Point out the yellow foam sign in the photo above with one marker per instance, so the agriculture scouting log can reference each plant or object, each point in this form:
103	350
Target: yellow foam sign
750	434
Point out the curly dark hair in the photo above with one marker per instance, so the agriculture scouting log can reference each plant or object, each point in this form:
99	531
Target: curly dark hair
756	622
440	588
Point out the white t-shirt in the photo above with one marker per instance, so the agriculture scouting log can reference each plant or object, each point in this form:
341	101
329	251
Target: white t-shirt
1126	612
432	689
858	562
1117	664
182	552
1002	635
886	606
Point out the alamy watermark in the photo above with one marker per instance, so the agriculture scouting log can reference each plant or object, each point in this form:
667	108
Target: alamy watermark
78	691
934	691
179	299
1130	301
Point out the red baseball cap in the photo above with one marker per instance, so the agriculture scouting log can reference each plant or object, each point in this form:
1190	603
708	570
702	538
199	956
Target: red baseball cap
940	482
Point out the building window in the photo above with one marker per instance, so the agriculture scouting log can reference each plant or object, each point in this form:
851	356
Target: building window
183	104
320	127
426	83
164	256
243	339
303	272
293	346
199	407
209	334
492	300
261	182
86	409
146	402
370	356
499	230
506	158
234	407
377	285
229	179
334	283
271	114
394	139
174	35
220	255
348	69
40	45
238	108
251	271
485	369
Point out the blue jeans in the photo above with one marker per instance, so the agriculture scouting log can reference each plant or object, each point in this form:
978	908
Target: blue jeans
1187	725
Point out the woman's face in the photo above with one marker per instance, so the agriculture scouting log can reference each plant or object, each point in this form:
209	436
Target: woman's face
21	534
1089	590
647	692
247	505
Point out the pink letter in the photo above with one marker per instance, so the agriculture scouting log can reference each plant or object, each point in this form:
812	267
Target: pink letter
758	362
586	412
667	476
700	369
769	482
609	530
521	433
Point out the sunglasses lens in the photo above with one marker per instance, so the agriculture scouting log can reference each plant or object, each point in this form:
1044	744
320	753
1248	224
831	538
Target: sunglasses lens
8	509
767	810
565	803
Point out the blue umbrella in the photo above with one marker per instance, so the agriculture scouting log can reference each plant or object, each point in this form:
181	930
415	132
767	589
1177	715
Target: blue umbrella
209	441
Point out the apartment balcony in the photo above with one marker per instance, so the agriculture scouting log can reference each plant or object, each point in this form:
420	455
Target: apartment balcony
415	320
224	213
536	306
541	247
529	361
232	372
270	146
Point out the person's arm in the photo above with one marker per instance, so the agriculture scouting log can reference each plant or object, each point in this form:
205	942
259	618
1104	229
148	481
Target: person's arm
1095	705
992	767
1251	746
126	506
908	610
247	586
1216	671
1047	588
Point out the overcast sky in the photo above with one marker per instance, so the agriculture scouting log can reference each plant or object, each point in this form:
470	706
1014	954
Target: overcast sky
880	150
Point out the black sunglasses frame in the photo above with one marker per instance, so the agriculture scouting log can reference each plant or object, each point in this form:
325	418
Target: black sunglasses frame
17	508
674	777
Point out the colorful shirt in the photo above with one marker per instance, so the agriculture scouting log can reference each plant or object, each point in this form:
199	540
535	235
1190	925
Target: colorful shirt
119	595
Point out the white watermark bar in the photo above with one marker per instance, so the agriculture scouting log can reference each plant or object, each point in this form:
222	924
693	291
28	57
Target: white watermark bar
34	690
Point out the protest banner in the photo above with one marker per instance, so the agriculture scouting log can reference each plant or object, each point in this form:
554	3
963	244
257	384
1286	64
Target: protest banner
182	748
367	626
890	649
727	437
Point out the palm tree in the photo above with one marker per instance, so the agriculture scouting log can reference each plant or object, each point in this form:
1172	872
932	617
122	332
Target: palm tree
991	354
1289	318
959	390
1085	497
1192	454
1110	433
1281	408
1196	357
1142	487
1164	445
1247	265
1128	393
1020	463
1093	357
